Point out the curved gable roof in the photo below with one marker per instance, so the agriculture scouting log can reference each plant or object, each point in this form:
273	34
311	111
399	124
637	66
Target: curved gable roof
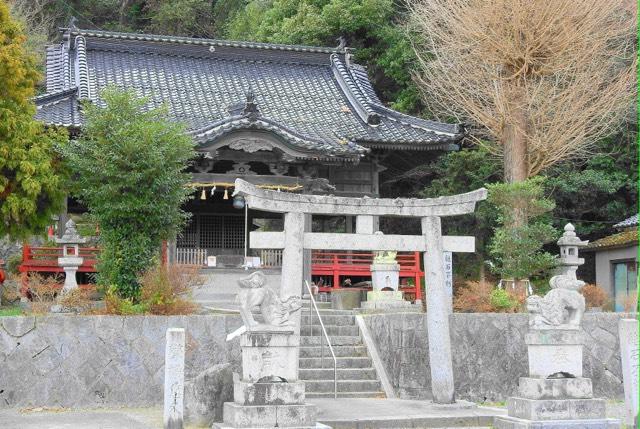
311	96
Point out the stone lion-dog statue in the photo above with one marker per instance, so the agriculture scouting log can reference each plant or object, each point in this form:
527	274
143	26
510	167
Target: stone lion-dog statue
562	307
275	312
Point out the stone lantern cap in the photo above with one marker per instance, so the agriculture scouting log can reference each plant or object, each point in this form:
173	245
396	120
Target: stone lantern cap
71	235
569	238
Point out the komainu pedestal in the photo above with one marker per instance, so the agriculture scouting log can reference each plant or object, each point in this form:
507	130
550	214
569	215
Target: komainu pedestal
555	395
269	394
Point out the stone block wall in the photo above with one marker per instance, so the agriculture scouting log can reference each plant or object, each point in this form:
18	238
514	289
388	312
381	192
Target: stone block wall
489	353
93	361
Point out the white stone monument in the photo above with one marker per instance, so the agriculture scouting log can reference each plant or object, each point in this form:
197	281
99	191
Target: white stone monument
70	261
269	393
174	379
555	395
628	330
385	281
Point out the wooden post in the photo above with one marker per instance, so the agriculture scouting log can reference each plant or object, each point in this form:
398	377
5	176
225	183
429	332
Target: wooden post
418	278
164	251
438	312
336	271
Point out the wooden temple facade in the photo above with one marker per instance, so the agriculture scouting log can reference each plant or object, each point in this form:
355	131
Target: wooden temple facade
294	118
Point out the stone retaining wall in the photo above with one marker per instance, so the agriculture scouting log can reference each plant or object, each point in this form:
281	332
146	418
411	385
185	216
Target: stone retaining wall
92	361
489	353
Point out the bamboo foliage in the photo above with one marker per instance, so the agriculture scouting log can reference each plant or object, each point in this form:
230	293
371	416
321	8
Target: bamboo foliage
569	65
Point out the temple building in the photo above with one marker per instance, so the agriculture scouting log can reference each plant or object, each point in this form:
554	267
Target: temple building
288	117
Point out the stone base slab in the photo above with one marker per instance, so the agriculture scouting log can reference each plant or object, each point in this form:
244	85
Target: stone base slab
556	409
516	423
385	295
381	308
316	426
556	388
385	305
554	337
246	393
385	300
267	416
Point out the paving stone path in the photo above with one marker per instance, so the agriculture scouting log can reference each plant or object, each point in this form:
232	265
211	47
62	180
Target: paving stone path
357	378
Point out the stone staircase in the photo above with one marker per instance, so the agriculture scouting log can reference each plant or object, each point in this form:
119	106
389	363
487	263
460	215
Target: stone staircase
357	378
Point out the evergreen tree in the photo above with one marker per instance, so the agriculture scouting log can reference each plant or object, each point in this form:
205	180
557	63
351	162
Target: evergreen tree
30	173
129	170
369	26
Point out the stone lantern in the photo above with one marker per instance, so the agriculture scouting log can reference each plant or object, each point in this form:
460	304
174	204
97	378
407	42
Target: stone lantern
569	244
70	260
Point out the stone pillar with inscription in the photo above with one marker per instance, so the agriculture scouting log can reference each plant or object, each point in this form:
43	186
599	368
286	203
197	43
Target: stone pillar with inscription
555	395
174	379
628	331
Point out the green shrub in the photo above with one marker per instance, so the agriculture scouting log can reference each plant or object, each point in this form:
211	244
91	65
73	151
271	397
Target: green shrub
524	228
13	263
502	301
129	170
10	311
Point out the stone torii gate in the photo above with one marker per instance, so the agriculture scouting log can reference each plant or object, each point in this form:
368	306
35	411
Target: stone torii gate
295	240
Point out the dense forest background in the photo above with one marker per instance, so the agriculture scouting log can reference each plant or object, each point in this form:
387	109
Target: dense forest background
593	192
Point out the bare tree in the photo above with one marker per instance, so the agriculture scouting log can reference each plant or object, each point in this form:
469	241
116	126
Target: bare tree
38	23
543	80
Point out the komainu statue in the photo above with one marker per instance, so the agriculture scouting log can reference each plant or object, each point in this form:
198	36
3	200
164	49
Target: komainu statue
561	308
275	311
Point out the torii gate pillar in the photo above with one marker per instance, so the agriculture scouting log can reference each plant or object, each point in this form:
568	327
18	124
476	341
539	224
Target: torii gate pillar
439	307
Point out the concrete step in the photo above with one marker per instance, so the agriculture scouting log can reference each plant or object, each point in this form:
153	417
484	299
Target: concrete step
342	374
327	312
321	305
340	351
326	386
331	330
342	362
328	319
335	340
377	394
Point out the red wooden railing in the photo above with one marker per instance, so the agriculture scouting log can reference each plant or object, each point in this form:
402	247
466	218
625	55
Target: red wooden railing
39	259
331	264
339	264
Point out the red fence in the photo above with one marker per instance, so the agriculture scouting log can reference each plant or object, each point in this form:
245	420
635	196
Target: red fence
36	259
331	264
339	264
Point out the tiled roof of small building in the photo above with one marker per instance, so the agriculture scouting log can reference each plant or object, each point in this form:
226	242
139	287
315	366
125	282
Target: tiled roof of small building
309	96
628	223
621	239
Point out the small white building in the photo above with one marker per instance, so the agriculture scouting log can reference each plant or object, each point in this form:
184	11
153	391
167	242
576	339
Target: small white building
616	263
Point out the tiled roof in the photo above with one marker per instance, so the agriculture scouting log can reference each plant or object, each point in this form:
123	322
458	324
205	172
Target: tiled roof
621	239
628	223
310	96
